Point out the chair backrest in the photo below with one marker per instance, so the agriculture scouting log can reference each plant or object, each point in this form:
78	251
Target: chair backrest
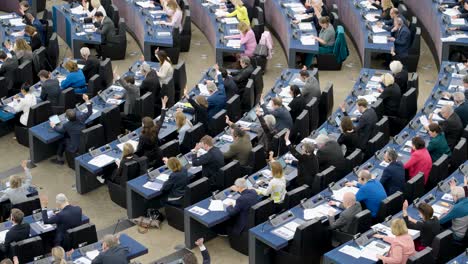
384	127
168	90
197	191
259	14
180	79
403	10
171	148
306	236
414	188
110	120
355	158
115	16
248	99
39	60
361	222
28	206
301	127
144	105
295	196
441	246
257	158
278	145
105	72
322	179
260	212
39	113
378	107
217	122
91	137
192	136
94	85
390	206
27	249
313	108
75	237
326	103
459	154
233	108
187	24
53	50
376	143
439	171
421	257
408	104
258	29
257	77
3	87
335	19
130	170
24	73
230	172
67	98
413	81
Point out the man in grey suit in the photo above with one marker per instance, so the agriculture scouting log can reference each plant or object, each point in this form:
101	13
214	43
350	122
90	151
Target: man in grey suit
350	209
107	30
50	88
311	86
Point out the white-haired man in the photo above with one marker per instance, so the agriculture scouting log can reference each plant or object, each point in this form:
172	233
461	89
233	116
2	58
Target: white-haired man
329	153
240	211
400	75
458	214
91	63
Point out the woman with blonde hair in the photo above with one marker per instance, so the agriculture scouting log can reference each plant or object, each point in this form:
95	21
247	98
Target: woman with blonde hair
174	188
75	78
58	255
182	124
199	109
21	50
128	154
19	185
390	95
174	13
240	12
95	7
401	246
385	6
247	38
277	185
36	41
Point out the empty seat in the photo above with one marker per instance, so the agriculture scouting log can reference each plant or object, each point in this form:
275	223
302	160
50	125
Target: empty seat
53	51
118	49
180	80
105	72
144	106
414	188
110	120
192	137
295	196
186	34
91	137
439	172
217	123
459	154
79	235
257	158
313	108
278	145
66	101
442	247
390	206
422	257
171	148
375	143
300	128
24	74
229	173
257	77
94	85
355	159
322	179
233	108
326	103
248	97
28	206
27	249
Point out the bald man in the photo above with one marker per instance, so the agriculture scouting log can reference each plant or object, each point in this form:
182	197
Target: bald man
351	208
371	192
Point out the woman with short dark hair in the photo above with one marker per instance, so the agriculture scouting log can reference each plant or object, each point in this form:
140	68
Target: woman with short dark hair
349	136
429	226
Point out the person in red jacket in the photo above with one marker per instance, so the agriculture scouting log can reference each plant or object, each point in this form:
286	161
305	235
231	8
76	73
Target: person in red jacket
420	160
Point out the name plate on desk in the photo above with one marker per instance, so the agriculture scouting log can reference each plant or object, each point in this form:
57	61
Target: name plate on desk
40	227
282	218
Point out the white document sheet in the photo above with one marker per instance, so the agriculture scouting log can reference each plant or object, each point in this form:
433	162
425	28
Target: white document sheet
163	177
92	254
307	40
82	260
305	26
352	251
424	121
198	210
231	20
101	160
131	141
3	235
234	43
216	206
377	29
379	39
338	195
155	186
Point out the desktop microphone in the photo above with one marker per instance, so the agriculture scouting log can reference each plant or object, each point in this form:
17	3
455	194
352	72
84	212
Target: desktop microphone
270	218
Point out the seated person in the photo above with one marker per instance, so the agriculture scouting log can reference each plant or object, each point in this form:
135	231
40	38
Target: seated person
311	86
24	104
329	153
350	210
463	11
240	12
68	217
182	124
281	114
388	23
211	161
107	30
112	251
307	163
298	103
242	76
349	137
174	188
128	155
217	99
174	14
461	107
326	37
458	214
429	226
95	6
452	125
19	186
371	192
277	185
21	50
30	20
150	82
8	69
240	211
50	88
200	109
400	75
385	6
316	11
247	38
401	246
58	255
266	131
420	159
390	95
91	63
438	144
18	232
366	122
132	93
72	128
35	38
393	176
229	85
241	147
75	78
401	37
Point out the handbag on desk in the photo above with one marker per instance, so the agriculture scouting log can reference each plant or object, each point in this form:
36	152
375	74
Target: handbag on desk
152	220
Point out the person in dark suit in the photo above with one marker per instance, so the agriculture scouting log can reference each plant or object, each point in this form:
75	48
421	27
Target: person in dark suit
199	109
210	158
229	84
241	147
35	38
429	225
349	137
461	107
112	252
390	95
68	217
240	212
388	24
307	162
366	123
8	69
393	176
242	76
217	99
311	86
91	63
329	153
50	88
297	105
107	30
148	143
151	82
174	188
128	155
401	37
266	131
400	75
281	114
72	128
351	208
452	125
19	231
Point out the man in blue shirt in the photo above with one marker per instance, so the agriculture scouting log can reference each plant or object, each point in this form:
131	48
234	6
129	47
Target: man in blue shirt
393	177
371	192
458	215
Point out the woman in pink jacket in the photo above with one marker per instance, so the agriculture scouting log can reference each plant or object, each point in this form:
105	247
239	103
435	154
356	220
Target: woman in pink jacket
247	38
401	246
420	160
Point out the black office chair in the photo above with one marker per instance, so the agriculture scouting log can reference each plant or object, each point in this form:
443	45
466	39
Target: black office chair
439	172
217	123
361	222
326	103
94	85
403	10
459	155
321	180
413	81
37	114
421	257
3	87
168	90
114	15
295	196
258	214
248	98
414	188
67	100
171	148
192	137
300	128
118	49
180	80
24	74
110	120
194	192
186	34
233	108
229	173
413	58
27	249
39	62
390	206
258	29
106	74
378	107
257	158
313	108
408	108
130	170
278	145
174	51
91	137
257	77
28	206
354	159
144	106
442	250
376	143
53	51
383	126
81	234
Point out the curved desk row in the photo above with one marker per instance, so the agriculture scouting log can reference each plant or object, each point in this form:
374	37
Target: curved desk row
435	26
35	6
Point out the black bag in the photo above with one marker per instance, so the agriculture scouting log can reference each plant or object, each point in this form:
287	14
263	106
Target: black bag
261	50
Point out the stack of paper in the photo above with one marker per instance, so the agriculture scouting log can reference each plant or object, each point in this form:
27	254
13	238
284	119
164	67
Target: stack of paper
92	254
131	142
227	138
305	26
451	12
203	89
299	9
284	233
163	177
198	210
229	201
457	21
82	260
377	29
447	197
371	17
155	186
266	173
164	34
101	160
145	4
79	10
2	236
445	102
44	226
234	43
300	17
318	211
221	13
338	195
216	205
307	40
243	123
352	251
285	92
439	210
373	249
370	98
231	20
113	101
379	39
424	121
17	22
7	16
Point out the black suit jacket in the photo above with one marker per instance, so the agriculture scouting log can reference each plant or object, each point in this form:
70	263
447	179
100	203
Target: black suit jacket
175	185
296	106
15	234
211	163
51	91
36	42
150	84
107	31
69	217
247	199
350	140
307	166
91	67
230	87
241	77
366	125
391	97
401	79
331	155
8	70
73	129
151	149
200	113
453	129
114	255
402	41
462	112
